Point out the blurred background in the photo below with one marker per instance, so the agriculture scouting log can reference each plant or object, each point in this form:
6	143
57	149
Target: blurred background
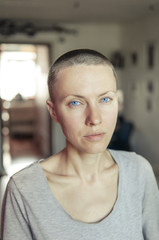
34	33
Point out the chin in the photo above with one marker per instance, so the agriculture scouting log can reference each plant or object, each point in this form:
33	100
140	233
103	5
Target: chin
95	149
90	148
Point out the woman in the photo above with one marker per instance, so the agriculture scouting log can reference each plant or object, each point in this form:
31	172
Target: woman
85	191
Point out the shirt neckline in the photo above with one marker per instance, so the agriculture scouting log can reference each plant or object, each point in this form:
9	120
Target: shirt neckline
113	211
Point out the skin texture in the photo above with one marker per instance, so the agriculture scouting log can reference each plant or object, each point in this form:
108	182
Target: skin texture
87	119
84	173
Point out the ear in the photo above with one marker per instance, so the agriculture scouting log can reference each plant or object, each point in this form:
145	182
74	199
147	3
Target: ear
51	108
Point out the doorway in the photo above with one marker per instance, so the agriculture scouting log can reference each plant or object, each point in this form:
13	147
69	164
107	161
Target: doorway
25	123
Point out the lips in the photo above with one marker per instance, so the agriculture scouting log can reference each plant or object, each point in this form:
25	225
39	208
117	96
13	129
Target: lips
95	137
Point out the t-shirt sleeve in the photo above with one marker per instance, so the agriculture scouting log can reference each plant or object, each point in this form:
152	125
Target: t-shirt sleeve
14	220
150	205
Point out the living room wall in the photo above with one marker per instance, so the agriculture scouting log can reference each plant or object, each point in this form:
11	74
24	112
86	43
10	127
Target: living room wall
141	85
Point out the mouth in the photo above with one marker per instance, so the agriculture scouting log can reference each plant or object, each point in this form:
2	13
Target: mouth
95	137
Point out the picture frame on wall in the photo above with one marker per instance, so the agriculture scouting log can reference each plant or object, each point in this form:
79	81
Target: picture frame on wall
150	55
149	104
150	87
134	58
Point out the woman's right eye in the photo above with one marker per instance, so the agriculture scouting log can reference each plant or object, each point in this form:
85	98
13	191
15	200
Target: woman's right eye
74	103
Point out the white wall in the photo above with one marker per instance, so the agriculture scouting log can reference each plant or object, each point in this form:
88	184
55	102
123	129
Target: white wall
136	37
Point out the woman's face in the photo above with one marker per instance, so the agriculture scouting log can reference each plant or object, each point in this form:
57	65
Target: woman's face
86	106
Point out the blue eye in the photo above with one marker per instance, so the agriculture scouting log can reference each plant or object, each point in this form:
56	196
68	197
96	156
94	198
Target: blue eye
75	103
105	99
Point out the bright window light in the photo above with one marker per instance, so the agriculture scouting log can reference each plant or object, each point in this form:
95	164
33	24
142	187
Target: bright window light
17	74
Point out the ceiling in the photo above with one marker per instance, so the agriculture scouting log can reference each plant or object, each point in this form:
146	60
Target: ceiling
56	11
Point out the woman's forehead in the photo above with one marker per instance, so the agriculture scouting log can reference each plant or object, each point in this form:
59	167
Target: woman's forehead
77	80
85	71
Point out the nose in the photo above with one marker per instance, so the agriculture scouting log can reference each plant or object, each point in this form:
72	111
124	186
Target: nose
93	116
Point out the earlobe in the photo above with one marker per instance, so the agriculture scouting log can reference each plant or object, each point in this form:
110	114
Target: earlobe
51	108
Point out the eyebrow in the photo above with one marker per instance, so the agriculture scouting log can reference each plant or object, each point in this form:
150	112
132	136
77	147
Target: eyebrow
82	97
106	93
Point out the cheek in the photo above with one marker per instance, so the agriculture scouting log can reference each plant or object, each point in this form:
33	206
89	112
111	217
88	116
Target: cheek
69	124
110	118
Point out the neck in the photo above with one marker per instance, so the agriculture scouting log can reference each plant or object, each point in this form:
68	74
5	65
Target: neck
88	167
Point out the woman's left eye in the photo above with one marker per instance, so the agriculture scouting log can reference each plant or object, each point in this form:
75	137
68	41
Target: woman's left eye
105	99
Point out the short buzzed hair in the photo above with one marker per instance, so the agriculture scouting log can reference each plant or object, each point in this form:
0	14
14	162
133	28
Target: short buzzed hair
76	57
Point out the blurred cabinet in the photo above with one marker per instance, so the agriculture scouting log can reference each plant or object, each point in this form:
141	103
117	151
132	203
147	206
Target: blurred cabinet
22	118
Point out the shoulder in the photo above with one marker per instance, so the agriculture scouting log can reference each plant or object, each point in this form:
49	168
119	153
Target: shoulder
131	159
26	172
133	164
135	172
25	179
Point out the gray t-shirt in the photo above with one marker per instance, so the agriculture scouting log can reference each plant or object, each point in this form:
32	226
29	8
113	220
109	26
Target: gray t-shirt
30	211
